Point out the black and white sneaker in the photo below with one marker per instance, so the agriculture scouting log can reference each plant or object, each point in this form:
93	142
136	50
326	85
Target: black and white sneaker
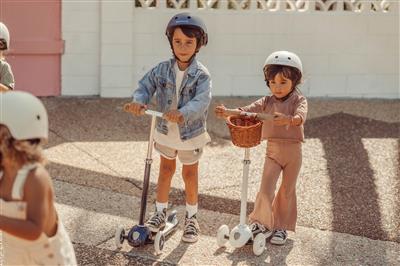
257	228
157	221
279	237
191	230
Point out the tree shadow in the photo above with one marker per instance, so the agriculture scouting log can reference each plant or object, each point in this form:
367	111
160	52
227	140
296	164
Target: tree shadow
177	253
92	255
351	175
278	254
273	255
355	199
355	203
132	187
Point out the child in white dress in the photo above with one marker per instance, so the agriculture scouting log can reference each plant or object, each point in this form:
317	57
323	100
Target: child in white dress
32	231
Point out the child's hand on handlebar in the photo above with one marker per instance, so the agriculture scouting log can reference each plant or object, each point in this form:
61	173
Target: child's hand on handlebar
220	111
135	108
174	116
281	119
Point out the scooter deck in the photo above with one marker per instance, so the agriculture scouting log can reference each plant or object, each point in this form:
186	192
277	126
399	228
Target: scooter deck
170	227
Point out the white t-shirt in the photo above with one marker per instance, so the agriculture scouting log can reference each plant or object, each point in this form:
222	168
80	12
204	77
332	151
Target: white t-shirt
173	139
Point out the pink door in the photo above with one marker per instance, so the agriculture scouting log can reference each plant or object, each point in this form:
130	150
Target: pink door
36	45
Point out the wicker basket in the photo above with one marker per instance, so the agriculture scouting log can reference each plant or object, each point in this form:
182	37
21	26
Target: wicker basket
245	131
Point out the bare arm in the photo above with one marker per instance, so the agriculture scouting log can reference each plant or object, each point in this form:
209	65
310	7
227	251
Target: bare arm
222	112
37	198
20	228
3	88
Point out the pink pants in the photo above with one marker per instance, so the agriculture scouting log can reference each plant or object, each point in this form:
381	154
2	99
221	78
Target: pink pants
278	211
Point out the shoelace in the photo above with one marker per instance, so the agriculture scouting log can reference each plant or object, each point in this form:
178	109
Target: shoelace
190	226
157	218
281	233
255	226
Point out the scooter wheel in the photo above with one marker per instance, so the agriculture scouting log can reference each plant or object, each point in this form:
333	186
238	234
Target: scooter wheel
119	237
259	244
222	235
159	241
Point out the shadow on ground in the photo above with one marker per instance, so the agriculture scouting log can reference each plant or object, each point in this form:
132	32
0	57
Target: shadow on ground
355	202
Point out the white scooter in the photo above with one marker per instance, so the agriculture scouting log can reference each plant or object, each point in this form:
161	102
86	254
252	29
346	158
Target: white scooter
241	234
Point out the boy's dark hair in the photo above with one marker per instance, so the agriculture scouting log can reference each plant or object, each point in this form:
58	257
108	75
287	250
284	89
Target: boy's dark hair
292	73
189	31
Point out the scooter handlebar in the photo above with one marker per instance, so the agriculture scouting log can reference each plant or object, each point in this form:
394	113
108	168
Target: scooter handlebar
154	113
147	112
260	116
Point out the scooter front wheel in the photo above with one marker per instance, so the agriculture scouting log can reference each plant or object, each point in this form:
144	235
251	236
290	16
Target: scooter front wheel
222	235
259	244
119	237
159	241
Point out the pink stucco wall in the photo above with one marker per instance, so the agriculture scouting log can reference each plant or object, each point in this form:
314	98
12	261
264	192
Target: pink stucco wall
36	45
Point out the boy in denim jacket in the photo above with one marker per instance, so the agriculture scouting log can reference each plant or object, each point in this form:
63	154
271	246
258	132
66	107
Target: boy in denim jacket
183	92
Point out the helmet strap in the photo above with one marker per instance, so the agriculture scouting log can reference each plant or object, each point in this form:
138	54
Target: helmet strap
287	96
188	61
185	62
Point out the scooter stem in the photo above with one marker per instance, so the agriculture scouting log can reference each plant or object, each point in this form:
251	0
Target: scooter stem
243	199
149	161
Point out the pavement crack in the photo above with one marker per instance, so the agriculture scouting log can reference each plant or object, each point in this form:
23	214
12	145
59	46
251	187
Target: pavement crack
231	186
104	241
94	157
133	183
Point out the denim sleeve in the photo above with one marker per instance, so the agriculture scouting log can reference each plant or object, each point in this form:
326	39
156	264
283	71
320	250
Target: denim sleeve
146	89
196	107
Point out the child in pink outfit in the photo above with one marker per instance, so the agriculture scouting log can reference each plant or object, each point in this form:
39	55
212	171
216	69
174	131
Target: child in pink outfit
274	214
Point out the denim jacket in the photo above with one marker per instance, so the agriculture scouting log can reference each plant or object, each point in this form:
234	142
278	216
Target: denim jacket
195	95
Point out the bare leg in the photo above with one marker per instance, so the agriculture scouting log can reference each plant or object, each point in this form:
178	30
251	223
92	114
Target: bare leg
167	170
190	177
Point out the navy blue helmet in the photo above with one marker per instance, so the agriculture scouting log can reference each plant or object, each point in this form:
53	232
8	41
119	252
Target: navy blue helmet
187	19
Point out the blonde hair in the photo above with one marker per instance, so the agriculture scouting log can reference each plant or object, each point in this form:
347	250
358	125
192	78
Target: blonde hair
24	151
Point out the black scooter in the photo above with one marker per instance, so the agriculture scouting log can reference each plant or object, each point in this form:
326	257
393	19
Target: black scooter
140	235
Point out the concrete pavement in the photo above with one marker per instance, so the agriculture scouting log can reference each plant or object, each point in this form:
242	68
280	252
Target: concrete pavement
348	190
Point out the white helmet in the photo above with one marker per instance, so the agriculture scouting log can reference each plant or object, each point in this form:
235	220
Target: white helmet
24	115
5	34
284	58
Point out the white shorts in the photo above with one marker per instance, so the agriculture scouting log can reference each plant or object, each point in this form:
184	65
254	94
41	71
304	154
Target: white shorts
186	157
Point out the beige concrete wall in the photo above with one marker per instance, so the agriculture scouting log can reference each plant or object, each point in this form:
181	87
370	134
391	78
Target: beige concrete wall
348	48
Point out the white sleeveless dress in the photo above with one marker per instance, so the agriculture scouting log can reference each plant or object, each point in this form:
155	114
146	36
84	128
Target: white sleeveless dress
55	250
